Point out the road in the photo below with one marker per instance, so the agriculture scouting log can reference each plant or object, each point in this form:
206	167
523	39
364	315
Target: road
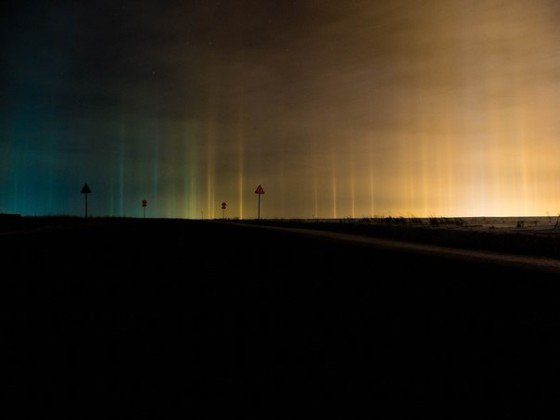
466	255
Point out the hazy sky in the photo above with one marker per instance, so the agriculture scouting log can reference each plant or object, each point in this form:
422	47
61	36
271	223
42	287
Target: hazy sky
338	108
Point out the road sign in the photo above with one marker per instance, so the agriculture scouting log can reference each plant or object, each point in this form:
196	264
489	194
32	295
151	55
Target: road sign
224	205
144	205
85	191
259	191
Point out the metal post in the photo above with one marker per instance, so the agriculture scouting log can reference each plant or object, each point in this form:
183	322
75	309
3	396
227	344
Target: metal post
86	204
259	212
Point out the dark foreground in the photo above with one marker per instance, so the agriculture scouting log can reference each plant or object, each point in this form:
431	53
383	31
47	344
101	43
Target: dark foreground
148	315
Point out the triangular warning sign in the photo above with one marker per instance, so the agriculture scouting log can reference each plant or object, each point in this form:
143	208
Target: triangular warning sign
259	190
85	189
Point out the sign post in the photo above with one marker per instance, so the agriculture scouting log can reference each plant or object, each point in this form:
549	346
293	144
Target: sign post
224	205
144	205
259	191
85	191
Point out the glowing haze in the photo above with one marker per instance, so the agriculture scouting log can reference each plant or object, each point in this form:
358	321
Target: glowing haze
338	108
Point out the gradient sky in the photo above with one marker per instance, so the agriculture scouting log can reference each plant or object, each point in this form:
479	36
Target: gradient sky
338	108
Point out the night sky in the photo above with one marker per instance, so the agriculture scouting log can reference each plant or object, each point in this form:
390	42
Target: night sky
338	108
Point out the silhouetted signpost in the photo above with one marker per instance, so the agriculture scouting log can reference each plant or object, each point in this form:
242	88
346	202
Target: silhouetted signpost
224	205
144	205
259	191
85	191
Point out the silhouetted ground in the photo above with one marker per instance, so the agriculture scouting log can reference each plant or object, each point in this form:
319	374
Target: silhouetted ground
152	314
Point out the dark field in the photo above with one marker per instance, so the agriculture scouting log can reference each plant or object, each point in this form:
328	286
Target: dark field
151	314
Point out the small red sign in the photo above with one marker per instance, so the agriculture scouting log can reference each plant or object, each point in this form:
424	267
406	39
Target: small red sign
259	190
224	205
